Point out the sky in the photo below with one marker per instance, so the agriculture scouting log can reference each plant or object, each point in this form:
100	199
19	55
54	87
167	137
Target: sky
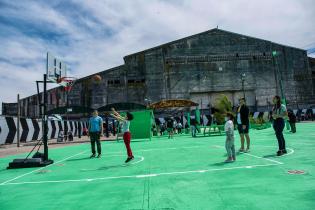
94	35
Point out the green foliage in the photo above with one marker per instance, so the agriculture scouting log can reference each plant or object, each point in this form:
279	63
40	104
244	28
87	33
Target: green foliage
260	121
257	121
222	105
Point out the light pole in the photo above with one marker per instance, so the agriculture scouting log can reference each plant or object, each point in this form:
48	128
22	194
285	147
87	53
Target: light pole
278	76
243	75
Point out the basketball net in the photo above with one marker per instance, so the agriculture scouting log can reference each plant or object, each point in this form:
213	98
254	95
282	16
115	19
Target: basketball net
66	82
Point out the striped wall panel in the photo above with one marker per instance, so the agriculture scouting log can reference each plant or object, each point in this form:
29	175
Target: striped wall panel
31	129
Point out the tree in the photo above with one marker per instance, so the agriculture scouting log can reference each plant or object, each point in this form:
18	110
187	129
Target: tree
222	105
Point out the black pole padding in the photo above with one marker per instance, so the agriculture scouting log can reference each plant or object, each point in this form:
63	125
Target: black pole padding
106	121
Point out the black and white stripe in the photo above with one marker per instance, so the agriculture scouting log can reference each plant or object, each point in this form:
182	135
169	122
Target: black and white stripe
31	129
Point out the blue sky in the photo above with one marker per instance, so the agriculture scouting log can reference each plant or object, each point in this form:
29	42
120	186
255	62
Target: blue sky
91	36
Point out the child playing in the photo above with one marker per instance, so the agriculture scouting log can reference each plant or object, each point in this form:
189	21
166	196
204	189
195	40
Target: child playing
229	143
125	129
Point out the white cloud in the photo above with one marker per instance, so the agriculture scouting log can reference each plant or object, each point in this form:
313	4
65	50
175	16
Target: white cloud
92	36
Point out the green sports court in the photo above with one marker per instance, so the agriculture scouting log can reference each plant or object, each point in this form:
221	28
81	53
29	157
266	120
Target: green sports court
179	173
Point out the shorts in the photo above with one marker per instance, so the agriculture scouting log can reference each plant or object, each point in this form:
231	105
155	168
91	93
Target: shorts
169	129
241	130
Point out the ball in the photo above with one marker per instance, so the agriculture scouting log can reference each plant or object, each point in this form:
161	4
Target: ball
97	78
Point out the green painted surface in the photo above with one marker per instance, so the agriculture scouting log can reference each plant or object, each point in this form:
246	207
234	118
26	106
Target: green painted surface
141	125
182	173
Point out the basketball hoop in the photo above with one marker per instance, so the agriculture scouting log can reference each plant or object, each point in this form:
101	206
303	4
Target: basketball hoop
66	82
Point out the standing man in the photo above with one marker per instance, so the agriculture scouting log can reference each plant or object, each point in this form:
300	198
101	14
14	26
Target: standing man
193	125
170	127
95	132
292	120
243	124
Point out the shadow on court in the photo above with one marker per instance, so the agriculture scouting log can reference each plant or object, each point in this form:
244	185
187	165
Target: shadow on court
78	159
104	168
220	163
112	166
269	156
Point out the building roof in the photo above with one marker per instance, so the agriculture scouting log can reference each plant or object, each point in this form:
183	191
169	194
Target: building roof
202	33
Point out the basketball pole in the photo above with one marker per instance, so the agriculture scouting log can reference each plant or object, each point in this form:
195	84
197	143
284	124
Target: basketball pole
37	160
18	120
45	122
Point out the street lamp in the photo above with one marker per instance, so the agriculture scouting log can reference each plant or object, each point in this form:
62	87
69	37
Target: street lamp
275	54
148	101
243	75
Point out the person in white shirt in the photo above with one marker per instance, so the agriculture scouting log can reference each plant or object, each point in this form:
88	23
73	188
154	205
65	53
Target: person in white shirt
179	127
125	130
229	143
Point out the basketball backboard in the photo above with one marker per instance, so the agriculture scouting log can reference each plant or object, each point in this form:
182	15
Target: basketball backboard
56	69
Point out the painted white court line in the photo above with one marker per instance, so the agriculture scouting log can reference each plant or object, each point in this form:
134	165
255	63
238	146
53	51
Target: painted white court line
268	159
3	183
290	153
154	149
146	175
140	175
133	163
148	150
262	158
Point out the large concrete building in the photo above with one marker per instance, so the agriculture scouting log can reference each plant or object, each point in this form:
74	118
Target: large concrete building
200	68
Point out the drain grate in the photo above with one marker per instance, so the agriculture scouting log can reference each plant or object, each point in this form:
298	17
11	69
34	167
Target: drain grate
296	172
43	171
60	164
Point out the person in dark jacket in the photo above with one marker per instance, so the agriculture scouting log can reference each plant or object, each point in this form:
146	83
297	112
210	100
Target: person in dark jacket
170	127
292	120
243	124
193	125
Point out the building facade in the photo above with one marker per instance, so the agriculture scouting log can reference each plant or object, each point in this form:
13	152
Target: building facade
200	68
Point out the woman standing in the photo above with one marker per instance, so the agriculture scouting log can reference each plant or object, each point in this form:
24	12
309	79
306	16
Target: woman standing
243	124
279	112
125	129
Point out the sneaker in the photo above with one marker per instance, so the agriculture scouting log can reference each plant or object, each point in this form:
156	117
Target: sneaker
284	151
99	156
234	158
247	150
229	160
129	159
241	150
92	156
279	153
